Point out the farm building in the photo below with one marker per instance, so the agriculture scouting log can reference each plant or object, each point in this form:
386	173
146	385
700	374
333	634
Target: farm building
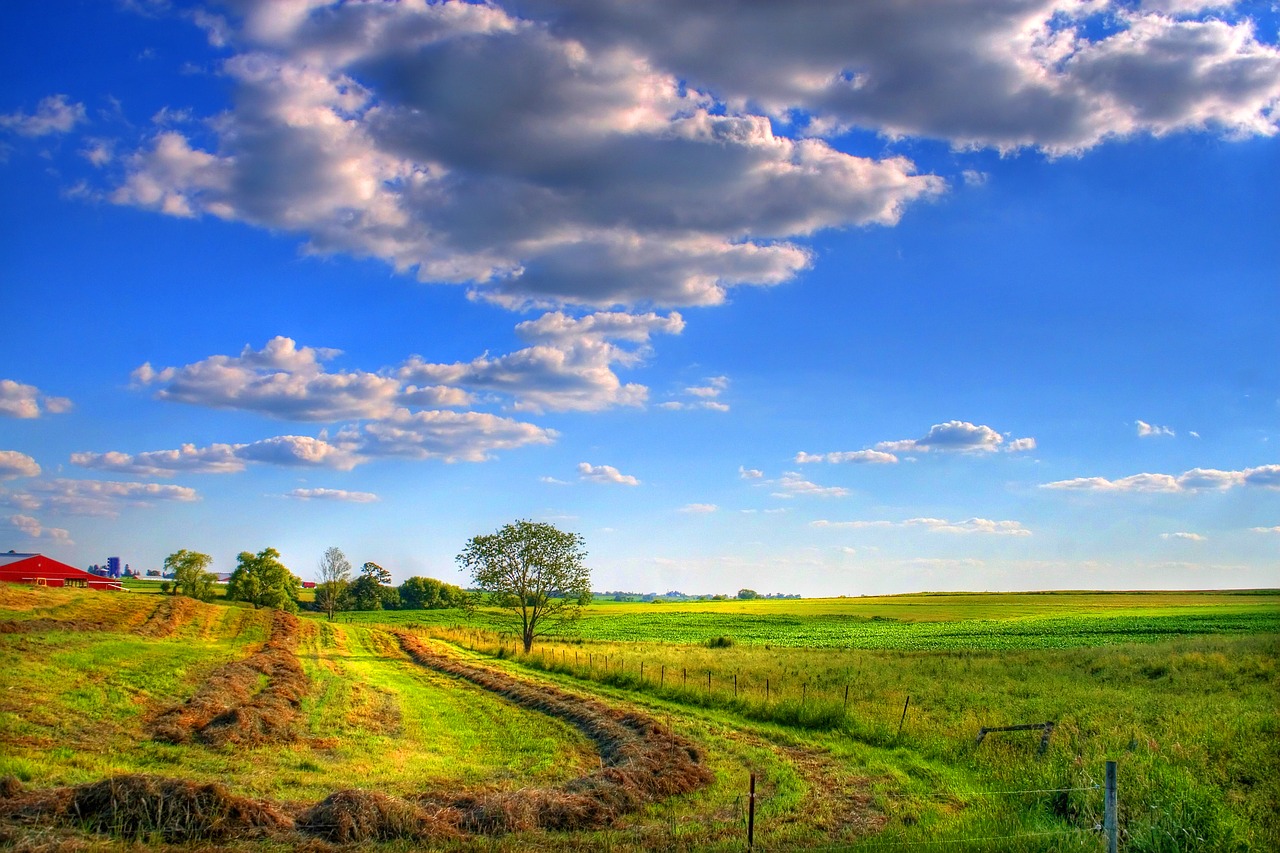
40	570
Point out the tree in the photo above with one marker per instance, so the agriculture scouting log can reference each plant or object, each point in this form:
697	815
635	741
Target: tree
430	594
533	570
190	577
335	577
263	581
748	594
380	575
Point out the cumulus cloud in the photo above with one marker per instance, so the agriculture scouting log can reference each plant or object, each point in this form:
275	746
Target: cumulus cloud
32	528
605	474
699	509
476	146
1183	537
937	525
451	436
281	380
341	495
54	114
286	450
18	400
702	396
569	367
14	465
1275	529
1146	430
957	437
1040	73
791	485
1195	480
863	457
750	473
94	497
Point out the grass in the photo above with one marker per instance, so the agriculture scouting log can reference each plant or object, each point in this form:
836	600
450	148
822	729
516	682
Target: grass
1181	689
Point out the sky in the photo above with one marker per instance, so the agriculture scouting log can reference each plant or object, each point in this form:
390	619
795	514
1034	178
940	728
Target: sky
802	297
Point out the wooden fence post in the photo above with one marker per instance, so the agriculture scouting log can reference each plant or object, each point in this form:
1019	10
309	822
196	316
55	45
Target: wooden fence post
662	677
846	697
735	685
751	814
1109	823
904	715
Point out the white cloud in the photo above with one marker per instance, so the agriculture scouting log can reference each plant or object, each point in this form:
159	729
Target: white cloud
14	465
287	450
282	380
341	495
937	525
1183	537
1275	529
1195	480
18	400
957	437
570	367
32	528
605	474
792	484
699	509
476	147
53	114
874	457
94	497
750	473
1146	430
972	72
702	396
451	436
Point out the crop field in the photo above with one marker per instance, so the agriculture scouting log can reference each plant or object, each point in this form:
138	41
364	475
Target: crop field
638	726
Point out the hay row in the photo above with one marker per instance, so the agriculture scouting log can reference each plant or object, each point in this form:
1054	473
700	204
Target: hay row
642	760
228	707
170	614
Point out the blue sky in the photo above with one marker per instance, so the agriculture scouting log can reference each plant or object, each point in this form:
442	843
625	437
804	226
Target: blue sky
810	299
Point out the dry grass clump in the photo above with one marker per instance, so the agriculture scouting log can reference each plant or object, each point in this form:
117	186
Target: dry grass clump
229	708
42	625
355	817
642	760
169	615
147	807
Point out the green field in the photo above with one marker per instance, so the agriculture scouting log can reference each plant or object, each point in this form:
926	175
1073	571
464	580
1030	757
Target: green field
858	715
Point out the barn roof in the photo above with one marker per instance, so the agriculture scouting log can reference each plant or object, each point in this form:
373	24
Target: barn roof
26	567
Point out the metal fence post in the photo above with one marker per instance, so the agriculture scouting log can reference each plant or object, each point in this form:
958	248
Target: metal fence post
1109	822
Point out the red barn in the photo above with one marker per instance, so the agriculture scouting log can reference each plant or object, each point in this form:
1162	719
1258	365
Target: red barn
40	570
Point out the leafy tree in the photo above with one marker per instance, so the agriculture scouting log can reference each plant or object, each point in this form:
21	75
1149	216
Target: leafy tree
430	594
263	581
533	570
335	577
390	597
365	594
748	594
190	575
380	575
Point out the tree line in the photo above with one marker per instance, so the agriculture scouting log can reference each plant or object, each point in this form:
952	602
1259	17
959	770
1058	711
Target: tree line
532	570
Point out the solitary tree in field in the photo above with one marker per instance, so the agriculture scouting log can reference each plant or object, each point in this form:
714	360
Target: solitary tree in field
335	576
189	574
533	570
263	581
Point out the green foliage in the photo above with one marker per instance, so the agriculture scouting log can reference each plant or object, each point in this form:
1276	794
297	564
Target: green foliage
263	581
747	595
532	570
335	578
419	593
190	574
380	576
365	593
389	596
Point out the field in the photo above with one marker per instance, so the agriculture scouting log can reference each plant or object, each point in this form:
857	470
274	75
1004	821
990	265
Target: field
857	716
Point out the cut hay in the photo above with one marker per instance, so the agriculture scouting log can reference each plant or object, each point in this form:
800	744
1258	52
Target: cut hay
148	807
642	760
170	614
355	817
228	707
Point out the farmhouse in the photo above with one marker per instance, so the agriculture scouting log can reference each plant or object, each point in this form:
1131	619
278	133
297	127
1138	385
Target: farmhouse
40	570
